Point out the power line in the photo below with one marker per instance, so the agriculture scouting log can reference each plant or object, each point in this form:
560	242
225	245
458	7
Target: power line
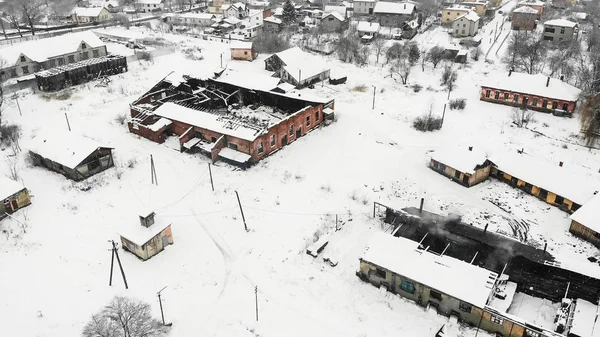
196	185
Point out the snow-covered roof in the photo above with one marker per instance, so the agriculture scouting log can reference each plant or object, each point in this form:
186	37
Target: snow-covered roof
368	27
589	214
44	49
232	20
87	11
341	10
139	234
200	16
300	63
474	3
532	3
252	81
560	23
456	278
532	85
393	8
240	45
470	15
459	158
206	120
234	155
159	124
525	10
335	15
273	19
460	8
580	15
63	147
150	2
9	187
365	1
107	3
569	182
584	319
286	87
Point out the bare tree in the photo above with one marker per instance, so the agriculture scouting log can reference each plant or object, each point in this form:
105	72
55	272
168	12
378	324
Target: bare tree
413	52
124	317
476	53
435	55
449	76
526	52
393	52
590	119
13	171
378	45
520	116
30	10
401	67
424	59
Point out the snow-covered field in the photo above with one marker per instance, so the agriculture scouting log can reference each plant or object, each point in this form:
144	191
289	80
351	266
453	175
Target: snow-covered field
54	274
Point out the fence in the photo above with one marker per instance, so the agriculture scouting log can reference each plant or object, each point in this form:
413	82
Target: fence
152	54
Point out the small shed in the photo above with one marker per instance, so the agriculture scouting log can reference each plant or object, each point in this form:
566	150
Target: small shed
76	157
585	222
13	196
148	239
241	50
462	165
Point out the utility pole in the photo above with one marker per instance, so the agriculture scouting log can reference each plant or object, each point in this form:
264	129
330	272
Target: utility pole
162	315
68	125
444	114
18	106
256	301
241	210
153	176
116	253
374	88
211	179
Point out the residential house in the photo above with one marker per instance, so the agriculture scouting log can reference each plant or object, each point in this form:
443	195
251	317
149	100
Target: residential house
579	16
535	92
585	222
566	188
333	22
149	6
393	14
479	7
535	4
297	67
90	14
242	51
148	239
341	10
13	196
560	30
466	24
524	18
75	157
191	19
453	12
26	58
272	25
363	7
111	5
238	10
236	117
370	29
465	166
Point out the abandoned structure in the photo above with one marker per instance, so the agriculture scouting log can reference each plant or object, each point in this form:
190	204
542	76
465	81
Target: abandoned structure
13	196
75	157
148	239
424	246
243	51
461	165
585	222
524	18
80	72
229	118
298	68
535	92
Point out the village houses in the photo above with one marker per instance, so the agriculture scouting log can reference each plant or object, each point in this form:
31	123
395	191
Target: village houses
147	239
341	10
535	92
368	29
13	196
297	67
465	166
585	222
242	51
272	24
191	19
524	18
466	24
560	30
238	10
149	6
333	22
392	14
480	7
364	7
90	14
453	12
535	4
29	57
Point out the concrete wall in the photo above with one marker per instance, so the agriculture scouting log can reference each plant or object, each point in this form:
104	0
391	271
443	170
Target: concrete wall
331	24
523	21
242	54
585	233
151	248
22	198
533	102
480	175
464	27
560	34
449	14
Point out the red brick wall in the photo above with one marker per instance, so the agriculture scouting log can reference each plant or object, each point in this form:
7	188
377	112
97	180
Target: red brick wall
571	105
214	152
155	136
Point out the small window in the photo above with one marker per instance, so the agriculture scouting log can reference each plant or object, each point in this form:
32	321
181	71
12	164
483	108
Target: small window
245	53
260	148
516	98
457	174
85	55
307	120
463	31
83	46
233	146
466	307
380	273
96	53
506	96
23	59
554	105
562	30
213	139
545	104
407	287
71	58
61	61
487	93
496	319
272	140
565	106
559	200
317	116
13	72
25	69
435	295
531	333
497	95
535	102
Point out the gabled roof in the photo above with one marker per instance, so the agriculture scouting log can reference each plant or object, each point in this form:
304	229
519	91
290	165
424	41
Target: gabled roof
525	10
341	10
44	49
88	11
150	2
140	235
560	23
532	85
301	65
383	7
65	148
589	214
459	158
335	15
240	45
232	20
471	16
368	27
200	16
9	187
532	3
273	19
461	280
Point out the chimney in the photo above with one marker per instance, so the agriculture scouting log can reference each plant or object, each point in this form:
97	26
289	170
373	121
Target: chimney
147	219
560	164
548	81
485	229
562	77
470	148
421	207
545	246
509	72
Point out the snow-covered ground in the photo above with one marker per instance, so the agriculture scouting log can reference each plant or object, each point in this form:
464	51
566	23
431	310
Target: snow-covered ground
54	274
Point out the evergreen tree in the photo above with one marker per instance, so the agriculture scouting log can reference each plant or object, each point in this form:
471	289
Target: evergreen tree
289	13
